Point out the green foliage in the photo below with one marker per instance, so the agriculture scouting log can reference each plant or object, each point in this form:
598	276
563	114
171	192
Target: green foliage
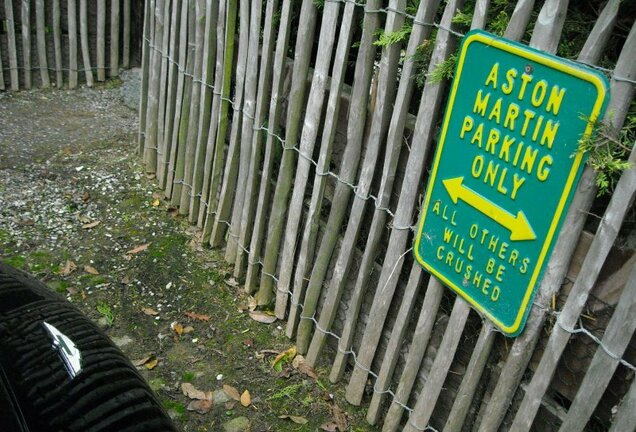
607	152
188	376
444	70
286	392
386	39
320	4
106	312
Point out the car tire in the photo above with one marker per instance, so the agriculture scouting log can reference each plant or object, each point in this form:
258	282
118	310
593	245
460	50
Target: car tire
106	394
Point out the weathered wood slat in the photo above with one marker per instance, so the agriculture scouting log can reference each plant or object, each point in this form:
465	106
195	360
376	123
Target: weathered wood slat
320	179
101	36
1	73
163	152
288	161
425	13
468	387
126	48
145	61
230	172
419	343
72	44
247	130
207	77
275	112
41	43
57	43
11	44
617	336
114	38
626	416
427	399
519	20
311	124
221	132
169	146
385	94
422	138
26	42
181	129
392	353
206	211
86	54
150	153
182	50
195	105
618	207
263	91
523	346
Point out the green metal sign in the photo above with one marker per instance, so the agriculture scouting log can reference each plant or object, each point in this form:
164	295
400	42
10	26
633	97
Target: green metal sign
504	172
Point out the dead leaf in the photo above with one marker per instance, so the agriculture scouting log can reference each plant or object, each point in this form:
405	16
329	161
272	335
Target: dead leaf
303	367
295	419
246	399
68	268
262	317
150	176
283	357
90	269
229	405
138	249
193	393
231	392
126	280
143	361
232	282
329	427
202	406
156	202
84	219
188	329
197	316
339	417
72	290
86	196
149	311
150	365
91	225
177	328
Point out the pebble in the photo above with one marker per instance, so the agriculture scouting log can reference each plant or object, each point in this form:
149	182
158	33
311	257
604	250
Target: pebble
122	341
237	424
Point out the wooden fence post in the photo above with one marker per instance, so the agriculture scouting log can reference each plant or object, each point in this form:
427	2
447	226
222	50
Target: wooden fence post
26	42
72	43
11	42
86	55
41	42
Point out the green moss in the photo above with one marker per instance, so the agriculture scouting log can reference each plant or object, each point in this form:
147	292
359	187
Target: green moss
16	261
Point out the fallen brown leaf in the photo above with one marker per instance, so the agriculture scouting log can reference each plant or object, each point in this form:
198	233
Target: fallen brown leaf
91	225
142	361
246	399
231	392
86	196
299	363
149	311
339	417
193	393
90	269
68	268
150	365
202	406
283	357
295	419
188	329
329	427
177	328
138	249
262	317
197	316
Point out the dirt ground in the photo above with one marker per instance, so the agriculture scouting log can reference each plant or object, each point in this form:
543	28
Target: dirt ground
77	211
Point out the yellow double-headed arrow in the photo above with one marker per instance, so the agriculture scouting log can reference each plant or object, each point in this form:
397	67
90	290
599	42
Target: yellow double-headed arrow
518	225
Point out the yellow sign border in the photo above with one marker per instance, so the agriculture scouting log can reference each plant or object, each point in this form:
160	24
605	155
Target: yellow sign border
546	60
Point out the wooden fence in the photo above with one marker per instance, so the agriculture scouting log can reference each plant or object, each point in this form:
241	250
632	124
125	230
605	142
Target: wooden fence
308	171
52	42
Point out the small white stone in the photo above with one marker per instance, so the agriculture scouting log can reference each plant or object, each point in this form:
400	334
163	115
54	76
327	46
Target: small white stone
219	377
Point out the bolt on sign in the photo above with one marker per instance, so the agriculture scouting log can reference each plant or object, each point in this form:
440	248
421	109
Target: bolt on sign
504	171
